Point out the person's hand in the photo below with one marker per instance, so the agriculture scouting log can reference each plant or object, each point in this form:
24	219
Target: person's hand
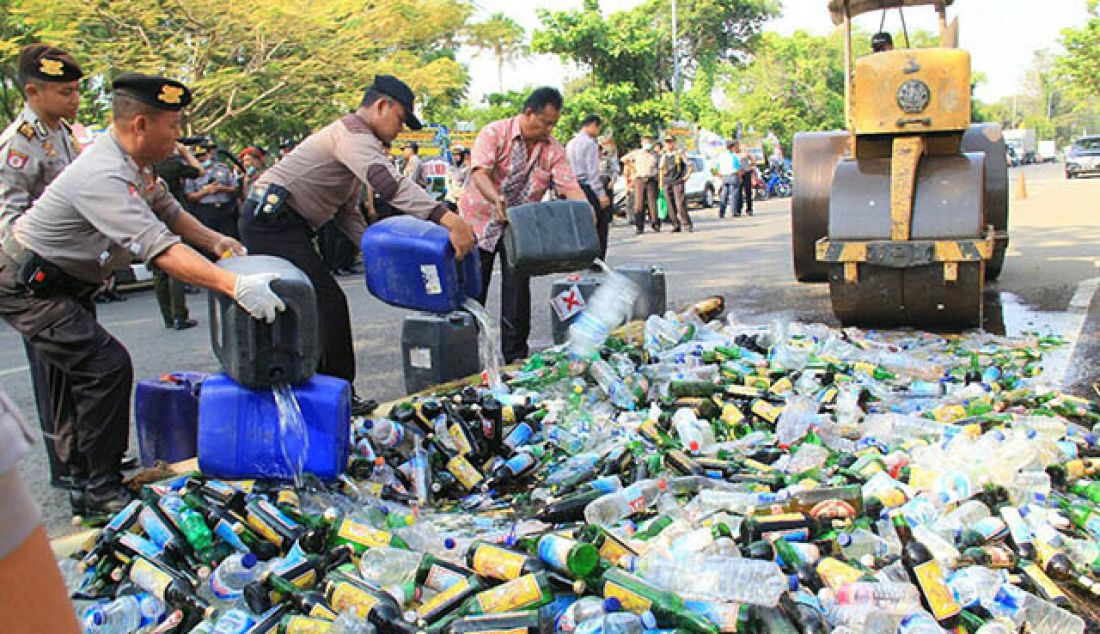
253	293
226	246
500	212
462	234
605	201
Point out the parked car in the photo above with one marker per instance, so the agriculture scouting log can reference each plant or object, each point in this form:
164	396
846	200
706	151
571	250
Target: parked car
1083	157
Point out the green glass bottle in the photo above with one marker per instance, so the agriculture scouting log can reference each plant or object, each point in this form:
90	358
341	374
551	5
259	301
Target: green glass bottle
360	535
363	602
527	592
1083	516
637	595
1088	489
568	556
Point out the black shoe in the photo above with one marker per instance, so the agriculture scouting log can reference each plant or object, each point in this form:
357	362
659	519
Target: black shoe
749	212
77	501
737	215
656	227
691	228
184	324
638	232
105	501
676	230
362	407
169	325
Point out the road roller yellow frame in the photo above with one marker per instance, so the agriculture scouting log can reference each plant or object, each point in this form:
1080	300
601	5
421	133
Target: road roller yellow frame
904	104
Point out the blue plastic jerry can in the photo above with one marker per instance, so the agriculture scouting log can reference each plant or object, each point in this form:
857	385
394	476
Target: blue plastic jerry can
240	436
410	263
166	414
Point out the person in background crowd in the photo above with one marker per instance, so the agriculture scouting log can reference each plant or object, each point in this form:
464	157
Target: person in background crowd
414	167
33	150
882	42
171	293
729	170
285	148
673	170
748	172
584	158
514	161
252	158
776	162
320	182
458	175
642	176
609	168
213	196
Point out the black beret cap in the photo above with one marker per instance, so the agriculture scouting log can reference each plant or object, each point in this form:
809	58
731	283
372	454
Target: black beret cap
400	92
159	92
43	62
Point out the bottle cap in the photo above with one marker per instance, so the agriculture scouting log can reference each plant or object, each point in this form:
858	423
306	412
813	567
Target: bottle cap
449	543
792	582
844	540
249	560
694	445
612	604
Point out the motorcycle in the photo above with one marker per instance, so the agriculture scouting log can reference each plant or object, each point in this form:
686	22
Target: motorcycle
777	183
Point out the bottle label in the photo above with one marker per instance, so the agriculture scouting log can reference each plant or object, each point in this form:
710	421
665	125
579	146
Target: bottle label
287	497
1044	584
139	545
225	531
120	521
508	414
321	611
304	625
262	529
462	443
554	551
154	527
519	436
464	472
150	578
935	590
490	561
630	600
520	463
347	598
892	497
440	578
1000	556
288	525
363	534
1092	526
614	551
724	616
443	598
222	591
766	410
1075	469
836	573
835	509
513	595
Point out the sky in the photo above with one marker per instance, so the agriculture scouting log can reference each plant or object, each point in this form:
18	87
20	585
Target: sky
1001	35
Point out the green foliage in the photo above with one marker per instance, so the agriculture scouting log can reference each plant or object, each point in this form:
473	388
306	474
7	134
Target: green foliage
503	37
1081	61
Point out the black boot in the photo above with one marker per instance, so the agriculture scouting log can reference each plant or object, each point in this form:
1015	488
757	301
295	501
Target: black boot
76	493
106	501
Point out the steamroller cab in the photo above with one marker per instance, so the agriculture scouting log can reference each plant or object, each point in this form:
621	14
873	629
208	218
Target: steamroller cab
899	209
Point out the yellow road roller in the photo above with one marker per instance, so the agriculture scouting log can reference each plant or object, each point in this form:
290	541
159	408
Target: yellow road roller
905	213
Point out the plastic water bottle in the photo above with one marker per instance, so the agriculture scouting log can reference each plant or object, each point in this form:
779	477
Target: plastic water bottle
797	418
860	543
897	598
661	334
695	435
385	566
920	623
586	609
610	305
1043	616
611	384
716	578
618	623
942	550
974	585
613	507
233	622
124	615
227	582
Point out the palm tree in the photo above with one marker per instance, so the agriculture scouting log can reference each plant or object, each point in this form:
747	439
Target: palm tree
501	35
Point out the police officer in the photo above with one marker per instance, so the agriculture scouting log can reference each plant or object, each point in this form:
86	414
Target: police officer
320	181
213	194
106	209
34	149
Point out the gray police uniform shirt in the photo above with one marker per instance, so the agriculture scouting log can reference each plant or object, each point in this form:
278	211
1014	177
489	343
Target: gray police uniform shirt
217	173
32	156
19	515
100	214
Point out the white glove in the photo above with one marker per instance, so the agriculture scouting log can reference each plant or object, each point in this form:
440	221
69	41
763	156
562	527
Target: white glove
254	294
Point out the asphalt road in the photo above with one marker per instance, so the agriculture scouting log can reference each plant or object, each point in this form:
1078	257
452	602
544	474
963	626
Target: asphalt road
1055	246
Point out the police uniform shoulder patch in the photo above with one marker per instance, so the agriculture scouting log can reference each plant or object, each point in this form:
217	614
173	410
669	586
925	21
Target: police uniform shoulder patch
17	160
27	130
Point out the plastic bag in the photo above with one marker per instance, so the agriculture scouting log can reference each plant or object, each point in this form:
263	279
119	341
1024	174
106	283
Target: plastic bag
662	205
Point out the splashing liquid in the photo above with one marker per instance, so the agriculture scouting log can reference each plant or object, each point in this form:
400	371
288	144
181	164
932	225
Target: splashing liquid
293	437
488	349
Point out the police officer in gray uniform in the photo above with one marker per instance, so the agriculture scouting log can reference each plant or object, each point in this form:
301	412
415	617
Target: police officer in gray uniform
103	211
34	149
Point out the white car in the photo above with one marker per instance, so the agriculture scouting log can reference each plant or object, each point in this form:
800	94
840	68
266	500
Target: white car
701	187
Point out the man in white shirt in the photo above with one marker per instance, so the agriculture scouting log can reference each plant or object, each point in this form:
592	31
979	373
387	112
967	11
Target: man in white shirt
729	168
584	157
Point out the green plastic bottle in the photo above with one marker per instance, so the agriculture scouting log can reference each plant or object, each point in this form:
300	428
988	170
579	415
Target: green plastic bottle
637	595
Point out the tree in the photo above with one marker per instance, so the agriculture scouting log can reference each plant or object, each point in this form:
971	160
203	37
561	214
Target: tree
629	56
1081	62
502	36
259	70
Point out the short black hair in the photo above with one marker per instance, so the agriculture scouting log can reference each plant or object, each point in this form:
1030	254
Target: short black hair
372	96
731	143
125	107
414	146
542	97
880	40
590	119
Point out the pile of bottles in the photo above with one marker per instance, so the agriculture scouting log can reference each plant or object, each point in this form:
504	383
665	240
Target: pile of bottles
681	474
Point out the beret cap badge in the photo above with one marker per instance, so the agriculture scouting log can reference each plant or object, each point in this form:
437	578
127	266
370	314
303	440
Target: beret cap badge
170	94
52	67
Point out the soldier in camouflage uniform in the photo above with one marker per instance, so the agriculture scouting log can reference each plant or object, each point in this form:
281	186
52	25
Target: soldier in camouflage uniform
34	149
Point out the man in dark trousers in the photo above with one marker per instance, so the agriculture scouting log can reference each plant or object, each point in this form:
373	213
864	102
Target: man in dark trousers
171	293
584	158
673	170
321	181
641	171
33	150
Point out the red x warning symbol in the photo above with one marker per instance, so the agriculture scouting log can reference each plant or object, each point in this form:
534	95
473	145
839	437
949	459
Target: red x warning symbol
568	302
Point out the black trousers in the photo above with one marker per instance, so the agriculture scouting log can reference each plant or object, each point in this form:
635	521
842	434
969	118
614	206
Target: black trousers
515	303
603	218
289	236
62	331
171	297
645	193
56	411
337	250
746	193
677	205
221	217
